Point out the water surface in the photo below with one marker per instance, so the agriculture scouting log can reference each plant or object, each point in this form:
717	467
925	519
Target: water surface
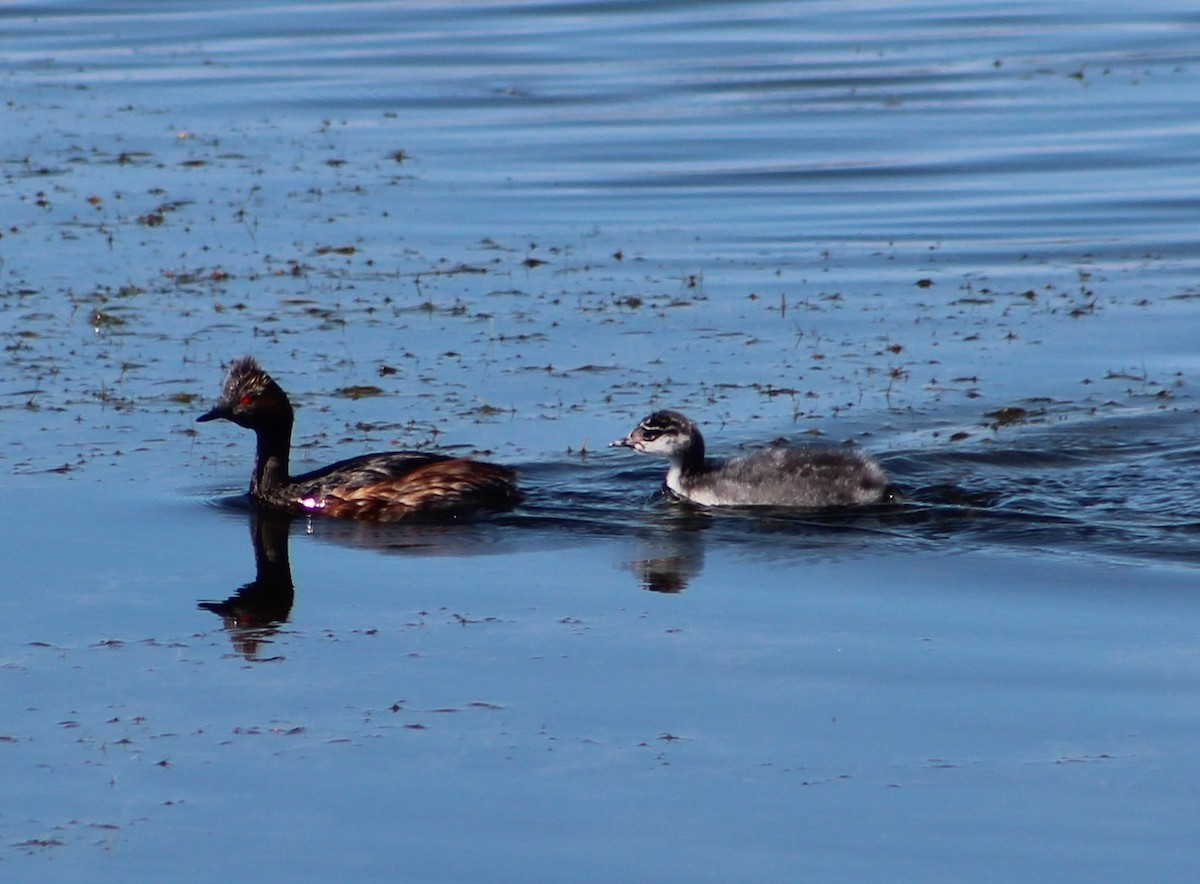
960	235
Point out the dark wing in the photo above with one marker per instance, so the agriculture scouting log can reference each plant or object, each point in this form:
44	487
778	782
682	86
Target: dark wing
442	487
366	469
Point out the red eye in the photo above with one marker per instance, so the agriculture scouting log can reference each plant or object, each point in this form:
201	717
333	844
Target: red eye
246	400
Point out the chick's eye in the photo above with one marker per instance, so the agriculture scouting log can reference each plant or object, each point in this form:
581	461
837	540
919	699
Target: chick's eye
246	399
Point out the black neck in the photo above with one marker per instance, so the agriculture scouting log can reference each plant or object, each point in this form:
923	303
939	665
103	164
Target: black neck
693	462
271	460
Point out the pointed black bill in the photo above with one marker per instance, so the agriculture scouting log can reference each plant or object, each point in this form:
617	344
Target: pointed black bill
215	413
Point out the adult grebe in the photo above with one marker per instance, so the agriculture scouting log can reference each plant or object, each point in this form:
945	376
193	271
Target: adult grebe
379	487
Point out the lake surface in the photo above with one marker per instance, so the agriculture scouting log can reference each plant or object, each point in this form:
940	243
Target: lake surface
959	235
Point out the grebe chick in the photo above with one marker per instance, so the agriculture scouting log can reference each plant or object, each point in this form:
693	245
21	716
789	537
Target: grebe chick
810	477
379	487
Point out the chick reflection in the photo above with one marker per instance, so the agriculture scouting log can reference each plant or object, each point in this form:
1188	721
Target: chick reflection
253	613
669	563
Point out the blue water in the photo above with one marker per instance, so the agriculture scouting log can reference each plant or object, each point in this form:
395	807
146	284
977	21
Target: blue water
960	235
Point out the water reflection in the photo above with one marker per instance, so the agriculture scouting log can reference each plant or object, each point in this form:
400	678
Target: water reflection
256	610
669	549
1120	489
670	573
